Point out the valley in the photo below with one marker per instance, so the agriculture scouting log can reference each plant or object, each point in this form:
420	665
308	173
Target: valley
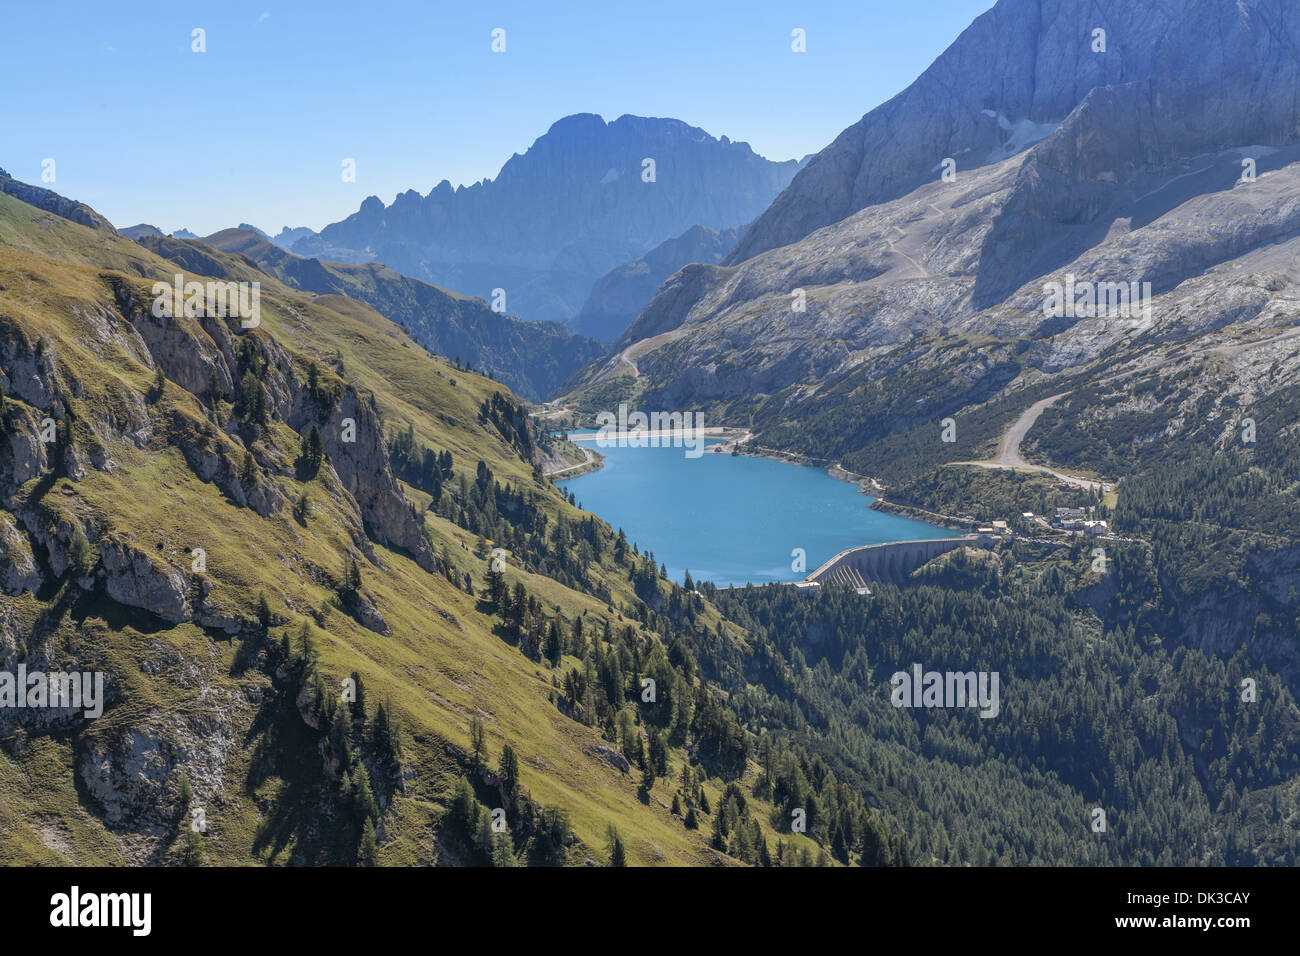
374	569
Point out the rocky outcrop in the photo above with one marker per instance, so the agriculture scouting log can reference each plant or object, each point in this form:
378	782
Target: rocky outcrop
23	455
28	369
53	532
189	351
1013	74
609	756
366	613
214	461
18	570
127	777
359	456
135	579
51	201
56	714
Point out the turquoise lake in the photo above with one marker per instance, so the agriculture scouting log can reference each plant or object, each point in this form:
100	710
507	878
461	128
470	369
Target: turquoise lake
734	520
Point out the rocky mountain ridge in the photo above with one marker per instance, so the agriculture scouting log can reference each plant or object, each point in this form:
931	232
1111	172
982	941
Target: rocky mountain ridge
585	197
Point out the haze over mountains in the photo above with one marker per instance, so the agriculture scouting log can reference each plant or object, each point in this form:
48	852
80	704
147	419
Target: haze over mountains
228	520
1133	173
533	358
878	298
619	295
576	204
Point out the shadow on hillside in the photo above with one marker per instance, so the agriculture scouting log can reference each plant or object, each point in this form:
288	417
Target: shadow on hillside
286	779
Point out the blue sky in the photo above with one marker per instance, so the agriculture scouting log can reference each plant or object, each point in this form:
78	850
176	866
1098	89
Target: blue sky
256	128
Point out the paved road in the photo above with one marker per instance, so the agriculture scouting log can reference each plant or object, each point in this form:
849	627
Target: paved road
1009	448
709	432
588	458
1008	454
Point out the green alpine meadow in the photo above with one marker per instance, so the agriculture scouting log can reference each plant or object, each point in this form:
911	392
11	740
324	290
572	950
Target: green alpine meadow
569	484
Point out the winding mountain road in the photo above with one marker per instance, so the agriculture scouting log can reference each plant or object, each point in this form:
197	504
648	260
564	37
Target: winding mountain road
1008	455
587	456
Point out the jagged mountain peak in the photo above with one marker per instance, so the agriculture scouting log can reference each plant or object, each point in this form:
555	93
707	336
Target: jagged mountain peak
1132	176
1022	62
585	197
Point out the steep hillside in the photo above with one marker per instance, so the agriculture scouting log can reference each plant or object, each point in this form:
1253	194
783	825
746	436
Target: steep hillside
533	358
218	527
1007	81
580	201
619	295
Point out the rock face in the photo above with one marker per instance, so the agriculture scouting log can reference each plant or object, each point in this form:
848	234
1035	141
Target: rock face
1014	73
133	578
187	351
127	777
19	647
1227	76
1124	167
52	202
23	455
561	215
620	294
363	469
18	571
27	369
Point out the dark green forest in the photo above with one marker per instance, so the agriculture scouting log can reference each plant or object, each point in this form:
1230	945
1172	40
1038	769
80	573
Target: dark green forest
1092	716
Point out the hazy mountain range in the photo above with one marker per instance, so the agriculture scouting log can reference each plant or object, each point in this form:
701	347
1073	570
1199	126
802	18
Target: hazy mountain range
230	521
1107	179
620	294
580	201
533	358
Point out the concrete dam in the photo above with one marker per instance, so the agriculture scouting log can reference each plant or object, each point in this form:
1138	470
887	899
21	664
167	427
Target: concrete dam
884	563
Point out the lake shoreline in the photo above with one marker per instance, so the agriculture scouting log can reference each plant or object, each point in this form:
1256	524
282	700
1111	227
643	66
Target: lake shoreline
798	507
868	486
733	440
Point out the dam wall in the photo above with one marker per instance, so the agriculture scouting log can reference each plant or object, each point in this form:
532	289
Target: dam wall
885	563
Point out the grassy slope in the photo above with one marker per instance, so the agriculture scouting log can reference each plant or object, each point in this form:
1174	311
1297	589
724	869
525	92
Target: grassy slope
442	662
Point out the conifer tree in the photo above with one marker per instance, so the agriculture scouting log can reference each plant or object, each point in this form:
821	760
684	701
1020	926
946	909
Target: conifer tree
81	556
509	772
263	612
502	852
617	853
367	852
477	739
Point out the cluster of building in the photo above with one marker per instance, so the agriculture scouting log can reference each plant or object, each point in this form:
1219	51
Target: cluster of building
1077	520
1080	519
